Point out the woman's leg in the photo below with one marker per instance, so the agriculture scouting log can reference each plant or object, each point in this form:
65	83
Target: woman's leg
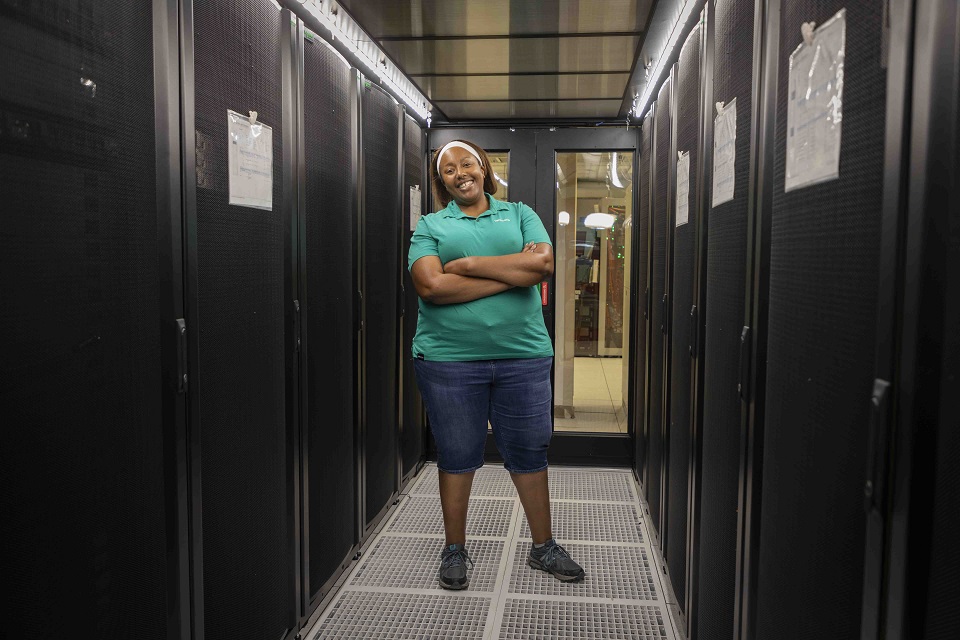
454	498
534	495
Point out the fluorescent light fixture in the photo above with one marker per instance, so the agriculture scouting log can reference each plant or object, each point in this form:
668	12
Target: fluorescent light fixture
343	28
563	218
682	18
499	179
599	221
614	173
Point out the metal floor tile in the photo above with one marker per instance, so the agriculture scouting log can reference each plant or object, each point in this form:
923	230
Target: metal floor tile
591	486
612	572
389	616
422	514
559	620
410	562
593	522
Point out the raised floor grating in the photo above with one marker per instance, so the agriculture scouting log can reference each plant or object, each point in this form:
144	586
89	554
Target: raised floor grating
488	482
593	522
395	616
538	619
612	571
405	562
422	514
591	486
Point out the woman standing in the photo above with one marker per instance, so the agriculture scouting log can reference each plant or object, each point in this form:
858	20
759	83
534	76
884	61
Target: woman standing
482	351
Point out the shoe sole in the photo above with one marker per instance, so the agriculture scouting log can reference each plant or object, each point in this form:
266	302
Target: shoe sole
559	576
453	587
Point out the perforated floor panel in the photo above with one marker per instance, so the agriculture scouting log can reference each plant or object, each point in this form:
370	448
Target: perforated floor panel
392	590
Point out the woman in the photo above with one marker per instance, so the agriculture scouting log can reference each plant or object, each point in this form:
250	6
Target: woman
482	351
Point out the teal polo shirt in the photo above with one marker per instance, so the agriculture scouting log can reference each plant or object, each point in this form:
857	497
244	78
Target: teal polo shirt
505	325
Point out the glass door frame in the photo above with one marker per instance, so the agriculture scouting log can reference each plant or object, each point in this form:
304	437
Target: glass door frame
532	178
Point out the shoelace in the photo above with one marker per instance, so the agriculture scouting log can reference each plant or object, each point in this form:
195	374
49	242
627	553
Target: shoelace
455	558
555	551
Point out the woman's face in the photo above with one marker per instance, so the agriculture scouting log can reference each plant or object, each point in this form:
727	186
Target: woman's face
462	175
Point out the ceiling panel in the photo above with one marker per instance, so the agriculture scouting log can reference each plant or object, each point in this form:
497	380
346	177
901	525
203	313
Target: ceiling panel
418	18
536	109
528	87
528	55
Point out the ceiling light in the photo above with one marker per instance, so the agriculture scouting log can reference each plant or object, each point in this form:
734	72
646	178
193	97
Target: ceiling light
563	218
614	173
599	221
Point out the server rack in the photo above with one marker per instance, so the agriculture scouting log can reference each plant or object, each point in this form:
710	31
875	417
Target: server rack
641	425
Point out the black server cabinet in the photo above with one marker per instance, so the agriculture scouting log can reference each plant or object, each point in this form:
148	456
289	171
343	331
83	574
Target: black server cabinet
89	288
641	347
329	284
380	284
683	256
823	255
659	323
240	317
412	444
723	315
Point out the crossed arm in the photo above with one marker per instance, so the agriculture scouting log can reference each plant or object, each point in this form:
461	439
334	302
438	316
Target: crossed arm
476	277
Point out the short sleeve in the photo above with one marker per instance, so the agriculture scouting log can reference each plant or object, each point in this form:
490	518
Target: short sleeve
531	227
422	243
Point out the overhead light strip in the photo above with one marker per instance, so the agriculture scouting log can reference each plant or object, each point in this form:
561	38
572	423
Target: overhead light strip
640	105
344	28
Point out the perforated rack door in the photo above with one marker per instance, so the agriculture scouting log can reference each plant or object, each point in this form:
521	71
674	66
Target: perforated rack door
724	318
684	262
655	454
240	305
644	309
330	319
412	440
380	226
824	260
80	372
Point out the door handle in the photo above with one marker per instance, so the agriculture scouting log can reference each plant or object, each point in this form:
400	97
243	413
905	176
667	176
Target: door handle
874	486
742	381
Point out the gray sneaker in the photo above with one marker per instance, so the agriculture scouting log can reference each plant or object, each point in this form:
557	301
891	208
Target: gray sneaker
453	567
554	559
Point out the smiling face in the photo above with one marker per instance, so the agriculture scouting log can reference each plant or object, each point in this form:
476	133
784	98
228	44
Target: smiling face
462	175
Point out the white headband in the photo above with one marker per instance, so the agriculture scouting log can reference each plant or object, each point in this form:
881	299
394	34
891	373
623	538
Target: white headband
455	143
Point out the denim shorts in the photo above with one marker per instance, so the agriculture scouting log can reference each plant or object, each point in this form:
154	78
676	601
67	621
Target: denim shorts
514	395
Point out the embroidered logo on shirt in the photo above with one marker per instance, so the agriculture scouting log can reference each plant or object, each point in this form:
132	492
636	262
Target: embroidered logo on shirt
502	220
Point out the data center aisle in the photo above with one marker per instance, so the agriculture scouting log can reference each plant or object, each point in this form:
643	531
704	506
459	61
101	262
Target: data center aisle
392	592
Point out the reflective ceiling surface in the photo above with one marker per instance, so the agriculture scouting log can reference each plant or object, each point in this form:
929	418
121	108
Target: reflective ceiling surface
512	59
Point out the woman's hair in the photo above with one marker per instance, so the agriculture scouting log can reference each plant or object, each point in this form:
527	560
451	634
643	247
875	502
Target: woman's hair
440	192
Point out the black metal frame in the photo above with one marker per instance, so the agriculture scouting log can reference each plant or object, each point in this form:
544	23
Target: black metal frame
401	290
356	150
188	144
166	66
753	347
698	325
921	405
890	307
642	467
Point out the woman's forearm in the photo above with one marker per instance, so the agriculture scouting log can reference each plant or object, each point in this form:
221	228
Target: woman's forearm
517	269
450	288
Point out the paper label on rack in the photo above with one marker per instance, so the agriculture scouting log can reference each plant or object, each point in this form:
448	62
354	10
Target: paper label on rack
250	159
815	106
724	153
414	207
683	188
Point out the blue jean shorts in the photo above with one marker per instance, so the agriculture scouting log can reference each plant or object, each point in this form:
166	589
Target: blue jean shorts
513	395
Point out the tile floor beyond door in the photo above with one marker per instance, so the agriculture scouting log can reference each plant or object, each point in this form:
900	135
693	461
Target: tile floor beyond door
392	591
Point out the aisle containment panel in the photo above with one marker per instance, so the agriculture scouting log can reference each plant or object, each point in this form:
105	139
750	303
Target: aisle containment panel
724	316
659	325
88	394
380	249
683	256
329	307
823	282
239	286
642	343
415	183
